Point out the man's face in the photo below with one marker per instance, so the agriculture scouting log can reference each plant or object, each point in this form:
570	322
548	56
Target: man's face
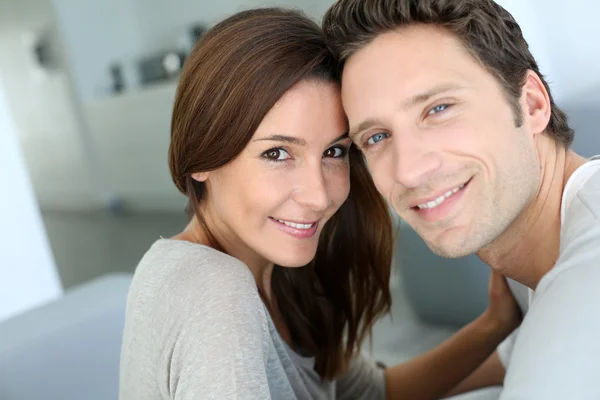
440	138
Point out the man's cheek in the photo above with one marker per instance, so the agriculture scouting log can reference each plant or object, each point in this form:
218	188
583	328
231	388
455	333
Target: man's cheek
382	179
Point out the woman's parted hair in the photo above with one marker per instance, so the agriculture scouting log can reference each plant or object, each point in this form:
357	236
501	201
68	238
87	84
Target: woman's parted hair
233	77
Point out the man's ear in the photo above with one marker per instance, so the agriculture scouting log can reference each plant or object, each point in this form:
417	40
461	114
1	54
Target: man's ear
200	176
535	104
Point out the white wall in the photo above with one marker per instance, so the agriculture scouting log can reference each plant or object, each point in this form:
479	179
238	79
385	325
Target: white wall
96	34
161	21
100	32
44	110
28	276
526	14
563	38
131	134
573	35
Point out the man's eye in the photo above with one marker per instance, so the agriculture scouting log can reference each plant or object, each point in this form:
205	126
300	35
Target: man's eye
276	155
438	109
378	137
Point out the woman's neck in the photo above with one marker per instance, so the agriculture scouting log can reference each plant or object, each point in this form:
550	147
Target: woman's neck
261	269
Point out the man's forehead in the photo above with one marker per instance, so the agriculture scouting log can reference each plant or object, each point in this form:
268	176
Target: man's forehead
408	53
409	82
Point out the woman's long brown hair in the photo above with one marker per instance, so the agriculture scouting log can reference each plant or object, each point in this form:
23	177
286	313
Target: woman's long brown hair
232	78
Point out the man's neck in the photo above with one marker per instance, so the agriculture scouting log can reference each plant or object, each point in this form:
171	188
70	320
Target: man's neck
529	248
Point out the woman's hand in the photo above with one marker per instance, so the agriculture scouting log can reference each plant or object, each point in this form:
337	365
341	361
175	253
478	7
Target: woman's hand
503	310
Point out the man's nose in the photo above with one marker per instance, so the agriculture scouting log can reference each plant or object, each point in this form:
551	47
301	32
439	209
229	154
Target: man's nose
413	162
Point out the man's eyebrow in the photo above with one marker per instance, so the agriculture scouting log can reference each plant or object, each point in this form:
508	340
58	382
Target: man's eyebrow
363	126
283	138
428	94
413	101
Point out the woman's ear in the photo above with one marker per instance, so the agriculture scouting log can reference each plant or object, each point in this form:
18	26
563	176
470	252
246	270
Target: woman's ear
200	176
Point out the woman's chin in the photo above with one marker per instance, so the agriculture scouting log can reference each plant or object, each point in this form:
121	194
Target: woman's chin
294	260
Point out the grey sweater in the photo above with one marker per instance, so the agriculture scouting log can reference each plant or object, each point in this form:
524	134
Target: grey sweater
196	328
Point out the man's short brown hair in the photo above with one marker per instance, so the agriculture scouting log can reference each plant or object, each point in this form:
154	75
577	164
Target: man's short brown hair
488	32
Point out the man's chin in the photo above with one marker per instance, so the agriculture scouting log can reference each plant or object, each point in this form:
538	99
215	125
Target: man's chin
450	250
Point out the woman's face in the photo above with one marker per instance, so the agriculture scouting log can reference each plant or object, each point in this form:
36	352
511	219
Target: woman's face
270	204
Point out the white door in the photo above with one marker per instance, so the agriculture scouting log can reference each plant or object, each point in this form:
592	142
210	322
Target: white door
28	276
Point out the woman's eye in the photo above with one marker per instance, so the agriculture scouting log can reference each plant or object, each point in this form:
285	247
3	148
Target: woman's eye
378	137
437	109
336	152
276	155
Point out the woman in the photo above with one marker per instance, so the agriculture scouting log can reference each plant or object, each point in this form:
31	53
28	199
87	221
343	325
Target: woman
284	267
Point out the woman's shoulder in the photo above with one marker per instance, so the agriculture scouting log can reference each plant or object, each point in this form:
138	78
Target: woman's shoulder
187	276
189	306
186	262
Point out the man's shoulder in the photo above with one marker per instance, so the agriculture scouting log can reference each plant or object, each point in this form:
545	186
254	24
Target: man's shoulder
557	347
589	195
579	240
560	330
593	182
581	222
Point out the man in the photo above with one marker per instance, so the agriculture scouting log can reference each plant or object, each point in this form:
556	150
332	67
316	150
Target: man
464	140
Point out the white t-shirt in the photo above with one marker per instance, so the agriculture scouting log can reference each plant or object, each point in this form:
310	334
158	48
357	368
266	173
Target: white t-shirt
555	354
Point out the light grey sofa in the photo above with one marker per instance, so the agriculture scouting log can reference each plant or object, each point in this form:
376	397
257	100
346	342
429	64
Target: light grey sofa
68	349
